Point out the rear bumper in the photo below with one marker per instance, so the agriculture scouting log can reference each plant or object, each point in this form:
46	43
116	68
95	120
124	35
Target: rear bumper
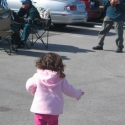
69	18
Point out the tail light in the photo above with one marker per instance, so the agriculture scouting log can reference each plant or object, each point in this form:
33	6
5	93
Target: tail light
72	8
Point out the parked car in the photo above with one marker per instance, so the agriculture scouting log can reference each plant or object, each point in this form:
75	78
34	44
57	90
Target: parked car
62	12
94	12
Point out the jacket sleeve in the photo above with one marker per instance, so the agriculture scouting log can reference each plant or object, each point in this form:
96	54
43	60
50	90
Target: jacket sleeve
70	91
31	85
33	14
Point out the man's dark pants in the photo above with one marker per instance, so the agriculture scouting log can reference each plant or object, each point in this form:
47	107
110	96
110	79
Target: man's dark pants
106	26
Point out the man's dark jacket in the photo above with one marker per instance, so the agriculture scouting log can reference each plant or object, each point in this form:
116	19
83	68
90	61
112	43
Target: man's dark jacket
116	13
30	14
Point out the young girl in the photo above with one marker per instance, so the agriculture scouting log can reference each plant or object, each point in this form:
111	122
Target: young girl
48	86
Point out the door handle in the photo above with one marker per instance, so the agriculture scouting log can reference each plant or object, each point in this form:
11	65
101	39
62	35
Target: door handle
34	2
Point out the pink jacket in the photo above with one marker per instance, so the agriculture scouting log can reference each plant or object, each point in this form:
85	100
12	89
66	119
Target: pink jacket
48	89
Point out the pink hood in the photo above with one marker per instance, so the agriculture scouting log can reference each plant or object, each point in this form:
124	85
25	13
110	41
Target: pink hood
49	78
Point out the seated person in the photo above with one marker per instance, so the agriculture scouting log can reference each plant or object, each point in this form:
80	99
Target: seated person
25	15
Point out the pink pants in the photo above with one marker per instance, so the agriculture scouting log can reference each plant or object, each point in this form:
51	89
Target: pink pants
44	119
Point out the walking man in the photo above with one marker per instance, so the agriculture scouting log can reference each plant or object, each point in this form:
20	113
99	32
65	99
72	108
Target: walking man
115	14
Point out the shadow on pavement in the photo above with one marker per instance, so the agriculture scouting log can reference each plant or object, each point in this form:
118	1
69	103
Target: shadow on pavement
53	47
39	49
26	52
67	48
29	52
111	50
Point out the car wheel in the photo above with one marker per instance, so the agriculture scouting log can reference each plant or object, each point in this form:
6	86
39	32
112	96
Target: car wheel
59	25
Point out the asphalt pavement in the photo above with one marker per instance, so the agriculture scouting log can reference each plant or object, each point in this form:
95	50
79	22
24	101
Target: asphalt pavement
100	74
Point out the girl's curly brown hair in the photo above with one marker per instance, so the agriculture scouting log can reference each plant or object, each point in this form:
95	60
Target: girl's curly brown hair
51	61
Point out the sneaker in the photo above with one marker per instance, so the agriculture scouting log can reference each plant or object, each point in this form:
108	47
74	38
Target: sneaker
98	48
119	50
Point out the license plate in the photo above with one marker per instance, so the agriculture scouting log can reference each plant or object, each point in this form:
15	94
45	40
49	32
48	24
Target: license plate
80	8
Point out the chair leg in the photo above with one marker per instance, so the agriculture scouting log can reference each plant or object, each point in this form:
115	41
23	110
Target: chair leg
27	44
39	37
2	40
46	45
7	39
10	50
10	47
47	37
32	40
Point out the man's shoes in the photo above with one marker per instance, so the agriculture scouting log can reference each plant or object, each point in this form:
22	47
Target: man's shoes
98	48
21	44
119	50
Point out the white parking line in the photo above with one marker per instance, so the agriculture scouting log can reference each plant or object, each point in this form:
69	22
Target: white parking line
97	26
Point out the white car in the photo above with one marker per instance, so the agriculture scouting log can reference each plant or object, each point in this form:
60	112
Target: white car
62	12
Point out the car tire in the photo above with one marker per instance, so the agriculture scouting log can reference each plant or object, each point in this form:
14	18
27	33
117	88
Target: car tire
59	25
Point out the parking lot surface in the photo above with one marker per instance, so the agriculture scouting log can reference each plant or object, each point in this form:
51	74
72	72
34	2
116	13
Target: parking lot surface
100	74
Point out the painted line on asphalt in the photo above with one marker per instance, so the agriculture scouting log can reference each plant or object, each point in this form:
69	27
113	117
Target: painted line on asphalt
97	26
100	26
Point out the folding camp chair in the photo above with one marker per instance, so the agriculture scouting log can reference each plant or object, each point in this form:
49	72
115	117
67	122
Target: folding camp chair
44	23
5	31
35	34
